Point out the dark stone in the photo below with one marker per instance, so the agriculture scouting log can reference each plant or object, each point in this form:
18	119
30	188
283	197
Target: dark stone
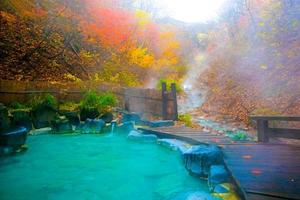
15	137
160	123
89	113
217	175
93	126
4	119
61	125
43	115
131	117
107	117
125	127
73	117
198	159
22	118
137	135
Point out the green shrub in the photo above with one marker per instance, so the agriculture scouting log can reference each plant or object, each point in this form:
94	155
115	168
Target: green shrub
42	100
17	106
186	119
103	102
168	82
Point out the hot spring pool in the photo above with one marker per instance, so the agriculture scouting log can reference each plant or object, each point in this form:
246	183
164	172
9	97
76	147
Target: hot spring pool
97	167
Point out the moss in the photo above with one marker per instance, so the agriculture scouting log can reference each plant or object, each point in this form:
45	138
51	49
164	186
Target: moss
69	106
186	119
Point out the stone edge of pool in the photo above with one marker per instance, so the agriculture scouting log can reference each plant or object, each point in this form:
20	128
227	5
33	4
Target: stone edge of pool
161	135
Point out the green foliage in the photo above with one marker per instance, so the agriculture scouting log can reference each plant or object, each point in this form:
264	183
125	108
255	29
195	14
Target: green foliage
186	119
90	100
239	136
43	100
168	82
107	101
17	106
103	102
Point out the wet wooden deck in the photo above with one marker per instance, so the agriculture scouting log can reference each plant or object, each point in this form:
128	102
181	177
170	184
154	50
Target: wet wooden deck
263	171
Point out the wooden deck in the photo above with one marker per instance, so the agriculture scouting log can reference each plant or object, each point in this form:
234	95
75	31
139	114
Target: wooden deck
262	171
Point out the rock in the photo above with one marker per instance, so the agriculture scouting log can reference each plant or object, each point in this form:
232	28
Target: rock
88	113
199	158
41	131
217	175
73	117
159	123
193	195
174	144
22	118
137	135
61	125
107	117
4	119
93	126
43	115
131	117
15	137
125	127
220	189
206	130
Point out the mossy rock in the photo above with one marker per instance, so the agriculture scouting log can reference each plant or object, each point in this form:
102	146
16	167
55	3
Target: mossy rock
61	125
43	115
4	119
22	117
107	117
89	113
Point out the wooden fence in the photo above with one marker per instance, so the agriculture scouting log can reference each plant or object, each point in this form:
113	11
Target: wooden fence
147	102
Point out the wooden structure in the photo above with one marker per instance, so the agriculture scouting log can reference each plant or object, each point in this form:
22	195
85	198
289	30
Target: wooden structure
262	171
150	102
264	132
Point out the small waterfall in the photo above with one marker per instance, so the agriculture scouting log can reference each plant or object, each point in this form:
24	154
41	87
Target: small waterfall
113	124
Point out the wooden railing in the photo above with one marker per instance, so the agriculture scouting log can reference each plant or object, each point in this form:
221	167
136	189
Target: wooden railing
264	132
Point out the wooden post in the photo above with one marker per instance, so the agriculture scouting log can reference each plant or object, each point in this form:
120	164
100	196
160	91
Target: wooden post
174	96
262	130
164	100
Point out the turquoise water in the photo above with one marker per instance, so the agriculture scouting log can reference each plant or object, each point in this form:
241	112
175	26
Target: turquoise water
96	167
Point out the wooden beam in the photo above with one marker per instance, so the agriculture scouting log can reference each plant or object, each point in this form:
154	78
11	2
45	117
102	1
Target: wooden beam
284	133
262	131
164	100
174	95
276	118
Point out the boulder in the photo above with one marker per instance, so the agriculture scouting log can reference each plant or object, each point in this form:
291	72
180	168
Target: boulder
198	159
43	115
138	136
107	117
4	119
174	144
89	113
15	137
125	127
73	117
93	126
61	125
159	123
21	117
131	117
217	175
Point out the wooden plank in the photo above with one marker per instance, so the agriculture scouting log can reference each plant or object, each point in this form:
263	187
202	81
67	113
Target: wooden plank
174	96
164	100
262	131
284	133
276	118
